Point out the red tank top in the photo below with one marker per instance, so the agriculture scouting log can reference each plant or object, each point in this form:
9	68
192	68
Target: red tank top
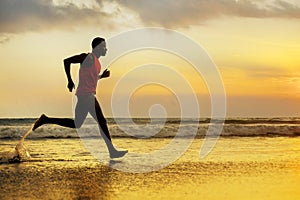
88	77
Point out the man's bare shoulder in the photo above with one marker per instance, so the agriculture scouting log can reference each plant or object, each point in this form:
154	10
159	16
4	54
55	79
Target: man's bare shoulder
79	58
88	60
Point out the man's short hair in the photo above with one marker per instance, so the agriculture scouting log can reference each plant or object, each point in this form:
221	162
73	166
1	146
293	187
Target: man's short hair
96	41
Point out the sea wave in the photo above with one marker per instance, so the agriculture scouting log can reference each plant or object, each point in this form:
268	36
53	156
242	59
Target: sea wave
157	128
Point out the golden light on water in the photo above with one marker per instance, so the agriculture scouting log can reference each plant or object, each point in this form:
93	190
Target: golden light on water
255	46
263	168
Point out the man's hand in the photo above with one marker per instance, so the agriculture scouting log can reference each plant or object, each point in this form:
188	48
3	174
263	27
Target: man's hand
105	74
71	86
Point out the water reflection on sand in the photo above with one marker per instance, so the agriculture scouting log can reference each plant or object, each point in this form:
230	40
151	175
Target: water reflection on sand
238	168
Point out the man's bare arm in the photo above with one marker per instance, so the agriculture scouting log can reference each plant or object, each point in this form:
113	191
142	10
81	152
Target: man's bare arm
105	74
67	65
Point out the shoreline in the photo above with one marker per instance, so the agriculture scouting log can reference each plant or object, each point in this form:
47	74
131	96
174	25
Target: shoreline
240	168
177	181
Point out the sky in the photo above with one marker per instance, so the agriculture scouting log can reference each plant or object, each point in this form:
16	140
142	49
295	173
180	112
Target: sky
254	43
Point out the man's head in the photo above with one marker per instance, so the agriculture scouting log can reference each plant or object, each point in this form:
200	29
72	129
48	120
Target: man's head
99	46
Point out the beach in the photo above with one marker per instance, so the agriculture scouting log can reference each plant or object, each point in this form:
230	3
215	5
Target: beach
237	168
150	100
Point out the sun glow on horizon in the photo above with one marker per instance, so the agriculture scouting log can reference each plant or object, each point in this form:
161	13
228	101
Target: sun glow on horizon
257	55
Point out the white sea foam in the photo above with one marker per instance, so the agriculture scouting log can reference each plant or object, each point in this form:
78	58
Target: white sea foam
19	153
12	129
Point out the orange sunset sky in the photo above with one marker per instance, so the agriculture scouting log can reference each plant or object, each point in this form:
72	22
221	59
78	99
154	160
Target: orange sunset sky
254	43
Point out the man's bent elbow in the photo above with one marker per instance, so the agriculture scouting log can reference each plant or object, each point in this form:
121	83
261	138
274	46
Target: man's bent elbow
66	62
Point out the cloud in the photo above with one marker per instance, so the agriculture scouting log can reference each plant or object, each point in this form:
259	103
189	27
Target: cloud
170	13
4	38
17	16
37	15
282	76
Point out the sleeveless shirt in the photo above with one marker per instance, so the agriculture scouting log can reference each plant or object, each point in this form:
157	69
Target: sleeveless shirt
88	76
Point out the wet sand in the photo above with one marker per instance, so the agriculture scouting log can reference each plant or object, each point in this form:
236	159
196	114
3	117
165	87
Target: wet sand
238	168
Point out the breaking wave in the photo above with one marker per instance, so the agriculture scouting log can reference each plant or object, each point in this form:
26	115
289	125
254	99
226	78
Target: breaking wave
247	127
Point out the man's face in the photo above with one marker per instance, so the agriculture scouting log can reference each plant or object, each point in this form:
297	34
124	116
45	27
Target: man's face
101	49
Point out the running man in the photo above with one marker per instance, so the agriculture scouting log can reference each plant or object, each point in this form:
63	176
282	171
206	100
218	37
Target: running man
90	68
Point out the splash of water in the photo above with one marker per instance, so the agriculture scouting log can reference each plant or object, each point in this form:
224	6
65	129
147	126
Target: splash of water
19	153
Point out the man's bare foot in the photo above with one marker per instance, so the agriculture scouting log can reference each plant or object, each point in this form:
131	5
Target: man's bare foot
40	121
117	154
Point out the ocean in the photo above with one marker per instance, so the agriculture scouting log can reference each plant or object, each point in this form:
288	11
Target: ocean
157	128
254	158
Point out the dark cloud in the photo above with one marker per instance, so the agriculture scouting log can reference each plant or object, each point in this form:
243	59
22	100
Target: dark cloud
184	13
35	15
18	16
